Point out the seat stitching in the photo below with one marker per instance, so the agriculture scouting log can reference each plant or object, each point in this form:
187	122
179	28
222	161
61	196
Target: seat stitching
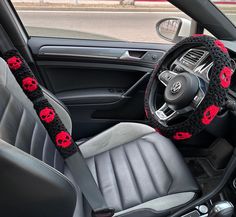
171	178
32	136
18	128
117	184
6	75
55	158
133	174
167	169
6	108
44	146
96	173
149	172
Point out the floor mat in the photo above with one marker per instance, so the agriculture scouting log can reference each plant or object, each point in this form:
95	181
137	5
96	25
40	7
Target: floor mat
206	176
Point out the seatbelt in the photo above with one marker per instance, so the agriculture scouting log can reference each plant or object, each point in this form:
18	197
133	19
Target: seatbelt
59	134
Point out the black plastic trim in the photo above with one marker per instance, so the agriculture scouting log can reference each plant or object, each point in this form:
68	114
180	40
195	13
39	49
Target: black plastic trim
90	96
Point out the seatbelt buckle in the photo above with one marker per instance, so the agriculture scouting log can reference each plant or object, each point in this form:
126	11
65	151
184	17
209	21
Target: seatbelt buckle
109	212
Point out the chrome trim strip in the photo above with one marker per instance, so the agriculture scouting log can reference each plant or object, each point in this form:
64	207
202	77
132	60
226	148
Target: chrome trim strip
77	55
91	52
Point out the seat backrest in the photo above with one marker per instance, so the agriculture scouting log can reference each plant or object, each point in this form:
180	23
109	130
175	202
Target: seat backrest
25	180
20	125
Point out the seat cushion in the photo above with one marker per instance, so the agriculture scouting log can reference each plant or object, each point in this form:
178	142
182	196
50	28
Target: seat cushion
145	175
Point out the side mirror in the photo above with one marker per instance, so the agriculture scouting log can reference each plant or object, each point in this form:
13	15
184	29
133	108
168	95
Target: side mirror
173	29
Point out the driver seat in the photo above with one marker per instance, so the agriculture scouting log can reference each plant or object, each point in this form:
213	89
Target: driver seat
139	172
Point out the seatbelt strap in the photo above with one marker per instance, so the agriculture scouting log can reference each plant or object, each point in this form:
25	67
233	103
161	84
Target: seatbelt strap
87	184
59	134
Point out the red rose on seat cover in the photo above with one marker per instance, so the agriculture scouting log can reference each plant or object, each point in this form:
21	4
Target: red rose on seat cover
225	77
29	84
47	115
63	139
182	135
14	63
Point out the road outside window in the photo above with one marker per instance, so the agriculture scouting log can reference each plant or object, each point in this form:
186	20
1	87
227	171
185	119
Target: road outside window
125	20
113	20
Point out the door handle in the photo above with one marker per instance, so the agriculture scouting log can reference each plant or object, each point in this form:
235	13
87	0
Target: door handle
133	55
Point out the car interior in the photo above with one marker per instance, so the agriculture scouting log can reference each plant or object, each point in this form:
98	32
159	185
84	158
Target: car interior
111	128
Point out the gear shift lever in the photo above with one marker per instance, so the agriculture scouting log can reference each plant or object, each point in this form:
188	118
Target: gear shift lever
222	209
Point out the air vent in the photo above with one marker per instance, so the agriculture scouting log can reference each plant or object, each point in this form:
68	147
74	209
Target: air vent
193	56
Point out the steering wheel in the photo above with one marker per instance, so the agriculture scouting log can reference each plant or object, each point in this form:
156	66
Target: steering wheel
190	102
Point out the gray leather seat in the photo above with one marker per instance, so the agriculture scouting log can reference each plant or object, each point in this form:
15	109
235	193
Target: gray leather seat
139	172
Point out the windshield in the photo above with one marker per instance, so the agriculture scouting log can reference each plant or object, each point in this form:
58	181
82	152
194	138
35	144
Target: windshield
228	8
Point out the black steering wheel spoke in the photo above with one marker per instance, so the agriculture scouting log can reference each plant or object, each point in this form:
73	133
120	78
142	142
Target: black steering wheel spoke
166	114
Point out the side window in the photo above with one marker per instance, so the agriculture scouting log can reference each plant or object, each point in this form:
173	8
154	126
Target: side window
119	20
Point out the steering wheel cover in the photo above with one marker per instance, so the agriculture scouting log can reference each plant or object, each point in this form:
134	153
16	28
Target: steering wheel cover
215	98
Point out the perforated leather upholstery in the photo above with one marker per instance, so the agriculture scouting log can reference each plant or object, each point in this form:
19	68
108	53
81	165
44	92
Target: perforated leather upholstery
131	175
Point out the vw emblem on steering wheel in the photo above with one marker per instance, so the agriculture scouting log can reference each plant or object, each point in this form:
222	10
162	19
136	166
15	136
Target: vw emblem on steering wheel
176	87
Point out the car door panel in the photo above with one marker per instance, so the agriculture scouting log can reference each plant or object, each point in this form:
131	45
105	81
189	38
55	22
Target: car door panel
62	76
101	83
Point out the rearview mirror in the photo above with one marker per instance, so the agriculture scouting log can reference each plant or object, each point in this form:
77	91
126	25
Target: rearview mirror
173	29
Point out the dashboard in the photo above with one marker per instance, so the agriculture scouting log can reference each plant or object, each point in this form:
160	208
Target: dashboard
198	61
